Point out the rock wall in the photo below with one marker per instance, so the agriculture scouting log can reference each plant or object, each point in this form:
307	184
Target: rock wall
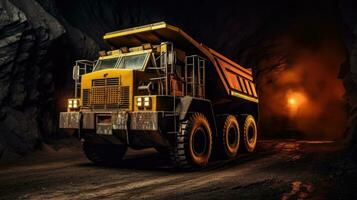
348	71
37	49
27	81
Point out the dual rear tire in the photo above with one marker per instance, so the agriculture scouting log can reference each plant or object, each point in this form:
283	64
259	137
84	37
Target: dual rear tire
235	138
250	133
229	139
194	141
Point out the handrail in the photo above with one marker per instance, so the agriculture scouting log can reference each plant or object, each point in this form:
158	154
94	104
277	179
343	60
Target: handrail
81	67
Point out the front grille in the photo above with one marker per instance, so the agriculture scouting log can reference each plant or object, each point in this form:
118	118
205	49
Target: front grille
98	106
107	94
124	97
85	98
98	82
112	81
98	95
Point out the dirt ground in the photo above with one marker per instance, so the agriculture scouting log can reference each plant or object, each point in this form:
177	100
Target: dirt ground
284	169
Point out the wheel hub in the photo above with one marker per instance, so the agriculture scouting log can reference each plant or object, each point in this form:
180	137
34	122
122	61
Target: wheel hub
251	136
232	136
199	142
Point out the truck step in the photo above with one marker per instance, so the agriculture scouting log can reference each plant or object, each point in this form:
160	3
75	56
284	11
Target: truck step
156	68
171	115
172	132
159	78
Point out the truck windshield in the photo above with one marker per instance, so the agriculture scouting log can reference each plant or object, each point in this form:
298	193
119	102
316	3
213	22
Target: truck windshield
106	64
124	62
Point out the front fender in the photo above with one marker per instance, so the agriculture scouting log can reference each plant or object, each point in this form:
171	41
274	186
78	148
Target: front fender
189	105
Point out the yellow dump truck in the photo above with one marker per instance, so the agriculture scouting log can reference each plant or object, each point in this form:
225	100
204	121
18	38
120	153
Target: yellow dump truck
158	87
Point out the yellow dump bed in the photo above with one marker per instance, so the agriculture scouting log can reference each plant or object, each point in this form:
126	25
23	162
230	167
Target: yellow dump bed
237	80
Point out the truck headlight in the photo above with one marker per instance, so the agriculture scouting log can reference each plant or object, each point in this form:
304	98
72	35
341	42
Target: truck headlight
147	102
73	104
142	102
70	103
139	102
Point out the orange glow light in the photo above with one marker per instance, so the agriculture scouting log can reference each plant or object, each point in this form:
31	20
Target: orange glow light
292	101
295	100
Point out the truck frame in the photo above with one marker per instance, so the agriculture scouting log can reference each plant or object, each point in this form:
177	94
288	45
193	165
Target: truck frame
158	87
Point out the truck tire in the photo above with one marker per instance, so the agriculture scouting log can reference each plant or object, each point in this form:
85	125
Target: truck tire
193	143
104	154
250	133
229	140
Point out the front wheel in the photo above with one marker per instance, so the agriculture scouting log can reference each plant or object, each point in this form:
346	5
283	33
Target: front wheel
193	145
104	154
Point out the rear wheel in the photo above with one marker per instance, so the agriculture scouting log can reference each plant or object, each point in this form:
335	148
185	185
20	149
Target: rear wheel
104	154
250	133
229	140
193	143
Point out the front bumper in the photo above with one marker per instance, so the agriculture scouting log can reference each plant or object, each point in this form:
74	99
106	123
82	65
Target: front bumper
137	121
70	120
136	129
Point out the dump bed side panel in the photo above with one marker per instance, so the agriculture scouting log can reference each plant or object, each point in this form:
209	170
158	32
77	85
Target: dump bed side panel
238	79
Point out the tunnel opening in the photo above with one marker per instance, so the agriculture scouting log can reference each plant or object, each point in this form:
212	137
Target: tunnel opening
303	96
301	92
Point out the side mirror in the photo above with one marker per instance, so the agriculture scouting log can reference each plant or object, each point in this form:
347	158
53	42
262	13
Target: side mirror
75	72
